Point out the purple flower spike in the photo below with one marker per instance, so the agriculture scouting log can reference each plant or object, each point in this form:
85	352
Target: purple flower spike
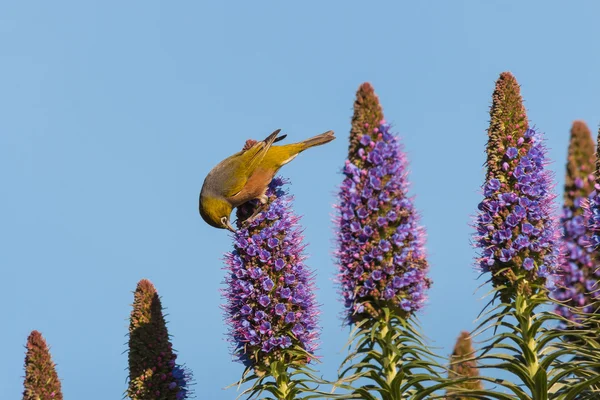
517	233
270	307
593	209
383	264
579	261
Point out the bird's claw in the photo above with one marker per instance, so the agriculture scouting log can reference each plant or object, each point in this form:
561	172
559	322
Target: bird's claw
254	216
263	199
250	219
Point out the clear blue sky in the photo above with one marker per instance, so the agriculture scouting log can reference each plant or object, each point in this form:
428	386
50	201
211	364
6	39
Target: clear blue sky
113	112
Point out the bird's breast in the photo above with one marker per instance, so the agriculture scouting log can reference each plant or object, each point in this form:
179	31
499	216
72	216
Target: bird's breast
255	186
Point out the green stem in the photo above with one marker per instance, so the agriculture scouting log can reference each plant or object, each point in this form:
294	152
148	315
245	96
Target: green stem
390	357
282	382
524	312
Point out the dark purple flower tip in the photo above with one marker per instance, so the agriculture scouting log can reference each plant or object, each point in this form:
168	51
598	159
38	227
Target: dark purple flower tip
269	289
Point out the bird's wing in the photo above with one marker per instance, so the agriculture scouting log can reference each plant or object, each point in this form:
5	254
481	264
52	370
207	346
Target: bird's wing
280	138
245	163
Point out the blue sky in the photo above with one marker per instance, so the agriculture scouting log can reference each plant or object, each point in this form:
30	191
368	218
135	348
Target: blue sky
113	112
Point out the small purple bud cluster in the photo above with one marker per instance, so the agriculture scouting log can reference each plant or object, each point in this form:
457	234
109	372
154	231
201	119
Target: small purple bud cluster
182	378
270	297
381	248
516	230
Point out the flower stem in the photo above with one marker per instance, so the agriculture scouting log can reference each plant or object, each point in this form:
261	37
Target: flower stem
524	313
282	381
390	357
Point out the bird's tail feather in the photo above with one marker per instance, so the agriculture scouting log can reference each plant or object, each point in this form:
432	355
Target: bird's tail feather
318	140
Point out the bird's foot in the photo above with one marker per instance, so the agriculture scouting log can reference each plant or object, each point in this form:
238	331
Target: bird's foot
250	220
253	217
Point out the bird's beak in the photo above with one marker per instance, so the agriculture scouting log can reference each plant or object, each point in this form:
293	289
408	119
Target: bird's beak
229	227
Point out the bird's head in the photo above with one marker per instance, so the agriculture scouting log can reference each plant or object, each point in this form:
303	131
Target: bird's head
216	211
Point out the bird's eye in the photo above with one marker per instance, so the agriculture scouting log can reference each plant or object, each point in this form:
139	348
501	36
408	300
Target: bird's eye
226	224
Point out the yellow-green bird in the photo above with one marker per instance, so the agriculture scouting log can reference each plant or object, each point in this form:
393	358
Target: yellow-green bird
246	175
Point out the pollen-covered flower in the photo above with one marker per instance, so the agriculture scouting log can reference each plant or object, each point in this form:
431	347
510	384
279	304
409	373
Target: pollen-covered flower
153	371
517	233
579	266
41	380
381	248
270	303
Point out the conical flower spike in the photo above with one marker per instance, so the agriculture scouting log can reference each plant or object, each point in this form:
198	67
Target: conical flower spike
517	232
593	214
41	380
463	365
153	371
368	114
381	251
579	263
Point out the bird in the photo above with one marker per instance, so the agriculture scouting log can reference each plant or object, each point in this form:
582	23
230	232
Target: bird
245	176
